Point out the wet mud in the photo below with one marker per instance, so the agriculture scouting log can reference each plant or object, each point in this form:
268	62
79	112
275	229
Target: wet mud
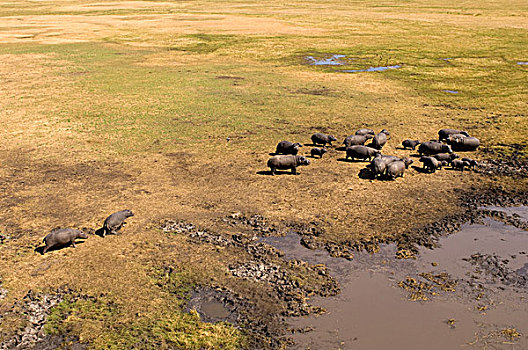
470	291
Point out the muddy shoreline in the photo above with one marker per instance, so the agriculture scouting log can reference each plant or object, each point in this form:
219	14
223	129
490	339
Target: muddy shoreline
271	332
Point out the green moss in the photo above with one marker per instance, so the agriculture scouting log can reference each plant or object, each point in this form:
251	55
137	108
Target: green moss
102	324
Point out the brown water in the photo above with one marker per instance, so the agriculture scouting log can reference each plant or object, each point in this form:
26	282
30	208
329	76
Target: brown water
373	312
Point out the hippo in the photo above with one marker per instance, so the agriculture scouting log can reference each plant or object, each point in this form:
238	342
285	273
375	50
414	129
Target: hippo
460	164
61	237
385	131
318	152
448	157
366	132
454	137
322	139
466	144
287	162
407	161
472	162
287	147
379	140
443	134
361	152
395	169
389	159
114	222
430	164
410	144
356	140
434	148
378	165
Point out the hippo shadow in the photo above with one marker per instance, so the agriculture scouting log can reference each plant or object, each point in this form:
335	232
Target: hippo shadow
421	170
341	148
366	174
452	168
40	249
344	160
99	232
415	155
403	148
277	172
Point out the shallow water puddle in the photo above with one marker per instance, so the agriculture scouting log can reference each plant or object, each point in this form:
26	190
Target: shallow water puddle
450	91
523	63
486	265
335	60
371	69
210	306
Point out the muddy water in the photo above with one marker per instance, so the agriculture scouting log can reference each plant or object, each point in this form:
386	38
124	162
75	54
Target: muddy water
335	60
371	69
373	312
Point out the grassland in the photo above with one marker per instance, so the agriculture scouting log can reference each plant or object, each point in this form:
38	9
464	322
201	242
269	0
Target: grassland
109	105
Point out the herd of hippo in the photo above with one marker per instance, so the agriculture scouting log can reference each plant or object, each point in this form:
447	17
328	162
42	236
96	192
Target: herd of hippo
67	236
434	154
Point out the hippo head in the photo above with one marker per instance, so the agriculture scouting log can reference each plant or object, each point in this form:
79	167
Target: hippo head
464	133
297	144
323	151
332	138
303	160
454	156
447	148
407	161
385	131
369	136
128	213
83	235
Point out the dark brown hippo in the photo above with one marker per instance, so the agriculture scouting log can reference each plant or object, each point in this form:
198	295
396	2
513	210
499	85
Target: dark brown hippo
61	237
356	140
443	134
434	148
287	162
361	152
395	169
380	139
460	164
114	222
448	157
472	162
466	144
365	132
430	164
379	164
318	152
287	147
322	139
410	144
